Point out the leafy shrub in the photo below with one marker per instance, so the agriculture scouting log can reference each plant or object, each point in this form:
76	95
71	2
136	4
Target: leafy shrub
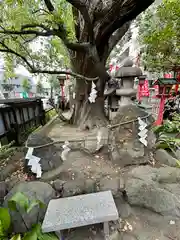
19	200
7	150
50	114
168	134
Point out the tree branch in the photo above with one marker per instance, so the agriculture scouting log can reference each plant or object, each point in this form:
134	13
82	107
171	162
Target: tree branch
61	32
39	10
116	37
35	26
76	46
8	50
119	13
84	11
29	32
63	72
49	5
35	70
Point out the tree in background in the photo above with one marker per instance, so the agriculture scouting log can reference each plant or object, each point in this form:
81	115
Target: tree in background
39	87
159	33
26	85
84	31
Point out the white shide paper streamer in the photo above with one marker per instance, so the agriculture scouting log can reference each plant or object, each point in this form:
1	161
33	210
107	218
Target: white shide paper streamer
34	162
93	94
143	132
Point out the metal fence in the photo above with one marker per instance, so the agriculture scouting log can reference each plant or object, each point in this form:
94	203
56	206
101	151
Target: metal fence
18	117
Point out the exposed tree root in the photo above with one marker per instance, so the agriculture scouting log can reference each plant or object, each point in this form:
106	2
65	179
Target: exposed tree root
61	116
92	116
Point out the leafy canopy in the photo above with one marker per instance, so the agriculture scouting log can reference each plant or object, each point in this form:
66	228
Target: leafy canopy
159	33
41	47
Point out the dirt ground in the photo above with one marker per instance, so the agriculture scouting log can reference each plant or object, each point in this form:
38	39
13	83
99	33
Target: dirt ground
134	223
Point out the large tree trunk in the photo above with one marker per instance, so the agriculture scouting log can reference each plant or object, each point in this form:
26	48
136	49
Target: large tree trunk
90	115
87	115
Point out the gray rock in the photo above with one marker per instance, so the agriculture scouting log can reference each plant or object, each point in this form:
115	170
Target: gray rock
79	186
7	171
178	154
50	155
168	175
149	195
173	188
12	182
33	190
58	184
163	157
145	173
126	147
90	186
37	139
74	187
110	184
151	139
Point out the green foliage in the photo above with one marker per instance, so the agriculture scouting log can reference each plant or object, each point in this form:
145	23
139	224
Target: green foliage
26	85
16	237
7	87
20	201
7	150
169	126
5	221
9	67
167	134
32	15
159	33
39	87
54	82
50	114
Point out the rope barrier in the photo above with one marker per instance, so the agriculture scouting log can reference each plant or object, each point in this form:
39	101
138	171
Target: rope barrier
108	126
123	123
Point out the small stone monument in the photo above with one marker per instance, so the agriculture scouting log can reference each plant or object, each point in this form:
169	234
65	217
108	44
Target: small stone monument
125	145
127	73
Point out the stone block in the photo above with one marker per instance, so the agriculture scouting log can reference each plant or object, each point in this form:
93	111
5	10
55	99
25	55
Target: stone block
82	210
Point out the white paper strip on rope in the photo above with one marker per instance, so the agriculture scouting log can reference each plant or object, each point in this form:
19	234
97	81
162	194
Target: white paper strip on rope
29	153
34	162
99	137
143	132
65	151
93	94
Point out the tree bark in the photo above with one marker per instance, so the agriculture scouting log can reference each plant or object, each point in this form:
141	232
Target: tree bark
87	115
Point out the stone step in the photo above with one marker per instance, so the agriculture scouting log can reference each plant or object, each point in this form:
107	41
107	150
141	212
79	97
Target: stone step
81	210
